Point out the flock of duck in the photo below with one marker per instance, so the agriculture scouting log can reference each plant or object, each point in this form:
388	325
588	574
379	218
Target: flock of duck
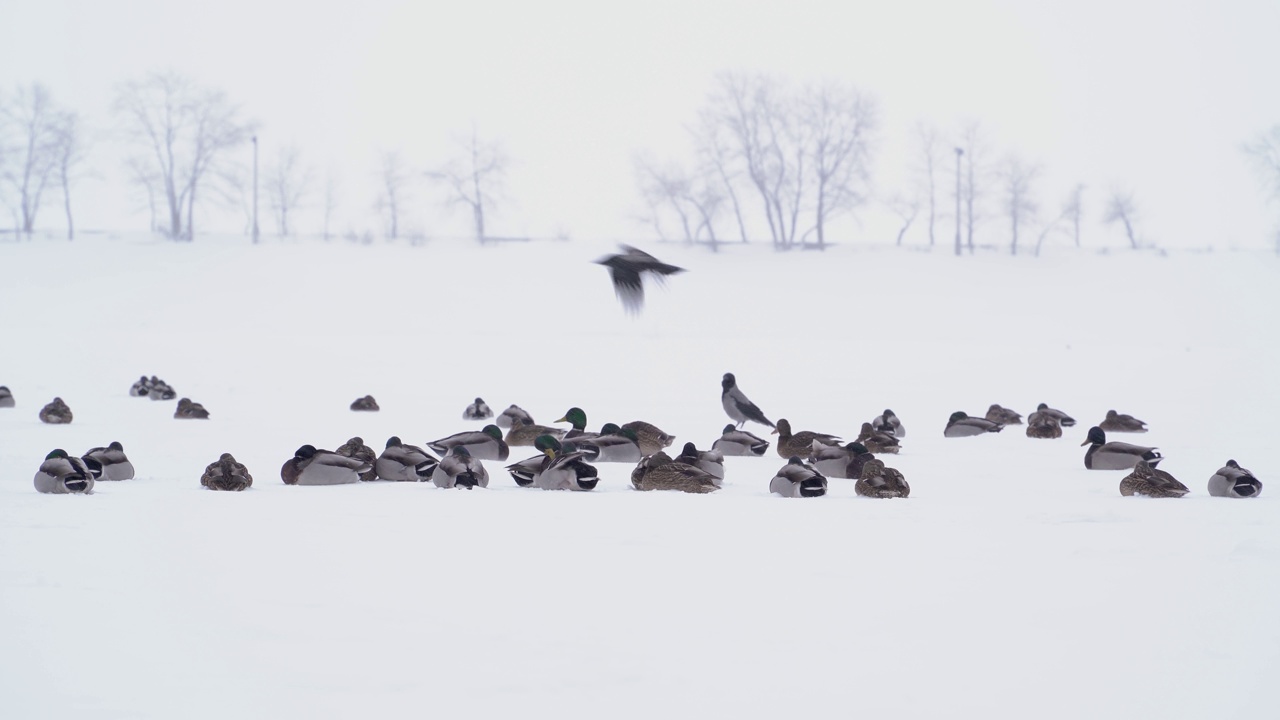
565	458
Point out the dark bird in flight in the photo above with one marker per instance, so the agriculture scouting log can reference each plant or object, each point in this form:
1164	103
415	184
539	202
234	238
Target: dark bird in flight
626	270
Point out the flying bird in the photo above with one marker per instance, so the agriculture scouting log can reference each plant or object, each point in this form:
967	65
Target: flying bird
626	270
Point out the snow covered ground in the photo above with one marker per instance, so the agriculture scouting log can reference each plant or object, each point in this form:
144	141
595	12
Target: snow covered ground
1013	583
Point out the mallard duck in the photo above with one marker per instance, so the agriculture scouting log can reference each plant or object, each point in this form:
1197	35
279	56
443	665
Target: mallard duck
526	472
188	410
834	461
141	388
626	270
563	467
404	463
737	406
355	448
709	461
365	404
659	472
799	444
1232	480
888	422
6	397
523	433
577	417
310	466
226	474
477	411
1103	455
56	413
460	469
740	442
613	444
115	464
961	425
1003	416
487	444
511	415
650	438
1043	426
1146	480
1116	422
878	481
877	441
61	474
160	390
796	479
1063	419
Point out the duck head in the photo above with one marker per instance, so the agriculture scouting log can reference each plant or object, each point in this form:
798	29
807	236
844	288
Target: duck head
1096	437
856	448
305	452
610	429
782	429
957	416
394	441
493	431
58	454
547	445
115	446
728	429
577	417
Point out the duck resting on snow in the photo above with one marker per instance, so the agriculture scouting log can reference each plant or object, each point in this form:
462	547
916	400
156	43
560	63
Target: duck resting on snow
961	425
1117	422
115	464
310	466
796	479
1103	455
1146	480
226	474
799	444
1231	480
740	442
61	474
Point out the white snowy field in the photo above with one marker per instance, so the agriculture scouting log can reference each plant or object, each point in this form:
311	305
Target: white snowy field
1013	583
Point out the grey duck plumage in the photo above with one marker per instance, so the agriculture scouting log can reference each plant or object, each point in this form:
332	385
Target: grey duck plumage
310	466
485	444
460	469
511	415
961	425
1063	419
708	461
796	479
740	442
612	444
188	410
834	461
61	474
1146	480
878	441
477	410
888	422
1231	480
1103	455
400	462
226	474
115	464
6	397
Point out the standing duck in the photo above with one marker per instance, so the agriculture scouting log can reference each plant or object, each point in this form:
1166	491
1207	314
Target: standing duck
650	437
460	469
404	463
878	441
61	474
1117	422
365	404
355	448
961	425
1043	426
477	411
878	481
1003	416
523	433
6	397
834	461
888	422
1232	480
1063	419
511	415
799	444
709	461
115	464
56	413
737	406
1103	455
659	472
1146	480
796	479
613	444
740	442
487	444
226	474
188	410
310	466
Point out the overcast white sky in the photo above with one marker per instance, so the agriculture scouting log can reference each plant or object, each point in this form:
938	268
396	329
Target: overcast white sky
1156	97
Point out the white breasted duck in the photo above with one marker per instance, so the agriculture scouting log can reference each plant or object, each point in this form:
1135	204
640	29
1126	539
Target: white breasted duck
400	462
61	474
485	444
796	479
115	464
1231	480
310	466
1103	455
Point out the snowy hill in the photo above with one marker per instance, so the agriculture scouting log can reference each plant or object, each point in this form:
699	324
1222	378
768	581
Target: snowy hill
1013	582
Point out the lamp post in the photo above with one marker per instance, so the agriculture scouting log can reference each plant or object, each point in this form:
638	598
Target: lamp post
255	191
959	152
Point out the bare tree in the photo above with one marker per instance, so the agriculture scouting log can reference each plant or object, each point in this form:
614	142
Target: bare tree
69	154
907	208
330	200
1265	153
930	151
34	120
288	182
838	123
1018	203
476	178
1073	210
694	199
184	132
1121	208
716	154
394	178
974	146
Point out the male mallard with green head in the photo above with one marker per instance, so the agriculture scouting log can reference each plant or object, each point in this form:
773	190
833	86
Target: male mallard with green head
61	474
564	467
834	461
961	425
577	417
226	474
310	466
486	444
659	472
796	479
1146	480
740	442
878	481
799	444
459	469
613	444
708	461
1103	455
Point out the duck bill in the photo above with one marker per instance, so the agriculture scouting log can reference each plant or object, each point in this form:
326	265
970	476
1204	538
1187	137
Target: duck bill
1086	442
773	431
563	419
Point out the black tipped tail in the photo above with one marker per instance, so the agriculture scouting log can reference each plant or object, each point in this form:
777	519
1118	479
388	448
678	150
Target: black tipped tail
1153	458
1246	488
523	479
466	480
813	487
425	468
76	484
